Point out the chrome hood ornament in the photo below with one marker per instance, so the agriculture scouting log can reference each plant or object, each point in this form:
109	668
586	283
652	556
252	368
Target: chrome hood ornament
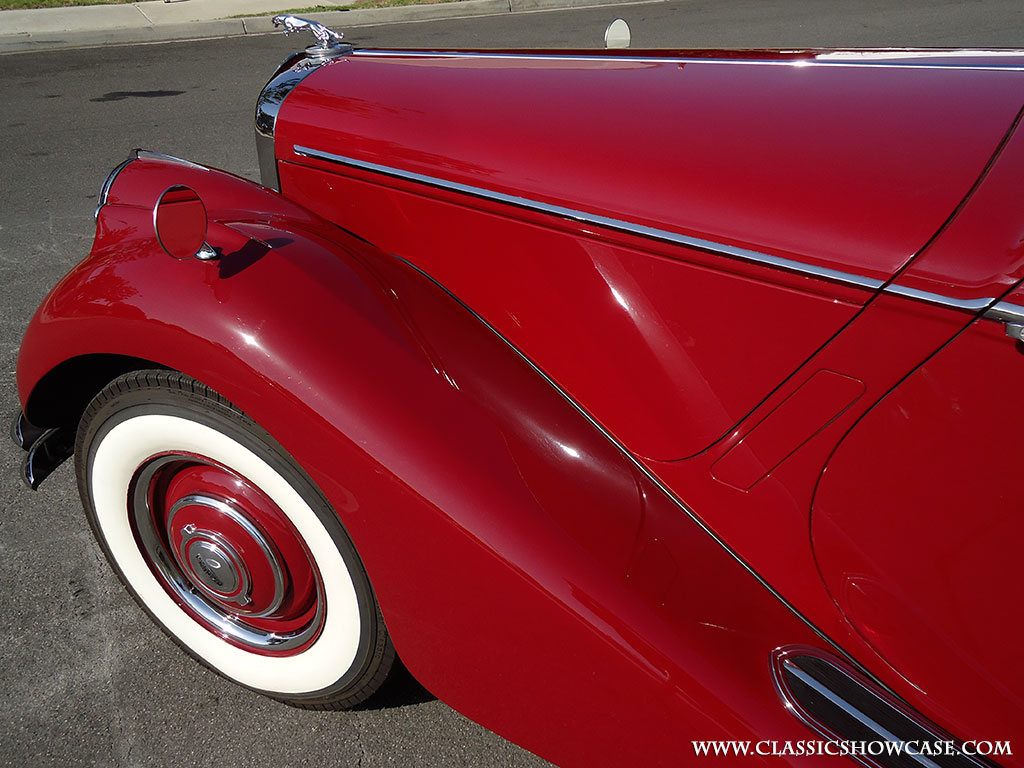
328	42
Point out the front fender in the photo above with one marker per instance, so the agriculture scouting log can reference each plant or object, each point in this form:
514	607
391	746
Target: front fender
530	574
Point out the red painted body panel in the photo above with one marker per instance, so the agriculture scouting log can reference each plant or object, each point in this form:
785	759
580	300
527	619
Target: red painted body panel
755	485
445	454
917	528
981	254
828	164
622	329
730	152
562	597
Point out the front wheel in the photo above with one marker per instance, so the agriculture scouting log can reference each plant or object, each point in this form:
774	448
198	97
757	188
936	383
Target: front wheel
227	544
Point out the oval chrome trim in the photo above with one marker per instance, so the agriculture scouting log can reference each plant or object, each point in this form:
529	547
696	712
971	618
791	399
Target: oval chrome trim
255	533
742	254
164	566
832	687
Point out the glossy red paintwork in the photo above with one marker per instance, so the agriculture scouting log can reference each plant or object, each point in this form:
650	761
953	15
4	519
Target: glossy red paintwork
704	167
507	540
755	485
917	527
981	254
531	573
606	320
829	164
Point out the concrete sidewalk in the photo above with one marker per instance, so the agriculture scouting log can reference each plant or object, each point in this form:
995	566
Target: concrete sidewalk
158	21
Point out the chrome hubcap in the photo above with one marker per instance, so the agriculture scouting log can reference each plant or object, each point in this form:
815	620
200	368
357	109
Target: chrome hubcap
227	554
212	566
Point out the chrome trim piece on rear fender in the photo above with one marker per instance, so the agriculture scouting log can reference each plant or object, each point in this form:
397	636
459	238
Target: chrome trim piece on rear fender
137	154
743	254
1005	312
148	154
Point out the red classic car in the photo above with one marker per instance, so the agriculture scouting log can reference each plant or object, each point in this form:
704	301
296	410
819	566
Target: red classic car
634	399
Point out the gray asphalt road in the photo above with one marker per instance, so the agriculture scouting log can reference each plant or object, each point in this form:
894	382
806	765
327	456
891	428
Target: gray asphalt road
84	677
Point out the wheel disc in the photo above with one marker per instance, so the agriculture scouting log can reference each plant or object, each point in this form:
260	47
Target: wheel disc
227	544
226	553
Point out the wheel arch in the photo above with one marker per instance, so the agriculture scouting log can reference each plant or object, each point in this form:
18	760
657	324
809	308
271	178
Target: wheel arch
498	525
61	396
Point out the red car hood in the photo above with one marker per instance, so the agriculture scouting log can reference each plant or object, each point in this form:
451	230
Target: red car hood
846	161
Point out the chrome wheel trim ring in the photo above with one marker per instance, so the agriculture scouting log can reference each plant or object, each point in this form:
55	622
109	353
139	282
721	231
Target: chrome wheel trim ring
195	596
218	541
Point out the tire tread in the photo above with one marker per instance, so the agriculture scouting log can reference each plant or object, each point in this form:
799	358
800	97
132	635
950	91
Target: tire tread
383	658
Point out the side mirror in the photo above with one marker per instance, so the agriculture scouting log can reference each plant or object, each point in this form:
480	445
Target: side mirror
180	222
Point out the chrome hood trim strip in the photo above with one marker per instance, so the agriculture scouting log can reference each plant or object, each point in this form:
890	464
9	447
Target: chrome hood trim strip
743	254
902	59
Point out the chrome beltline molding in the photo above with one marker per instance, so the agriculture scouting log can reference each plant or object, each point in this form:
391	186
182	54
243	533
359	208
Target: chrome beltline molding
742	254
904	60
1005	312
970	305
708	246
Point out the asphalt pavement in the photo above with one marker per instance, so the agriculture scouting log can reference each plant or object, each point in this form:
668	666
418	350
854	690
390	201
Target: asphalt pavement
150	21
85	678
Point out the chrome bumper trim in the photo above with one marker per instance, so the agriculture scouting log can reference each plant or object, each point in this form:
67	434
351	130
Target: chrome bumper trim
46	449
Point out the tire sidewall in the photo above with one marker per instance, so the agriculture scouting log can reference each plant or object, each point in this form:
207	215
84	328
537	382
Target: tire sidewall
112	409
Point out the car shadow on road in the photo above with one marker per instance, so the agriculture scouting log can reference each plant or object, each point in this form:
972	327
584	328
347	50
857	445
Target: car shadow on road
401	689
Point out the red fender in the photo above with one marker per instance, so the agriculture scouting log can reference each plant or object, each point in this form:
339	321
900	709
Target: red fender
498	524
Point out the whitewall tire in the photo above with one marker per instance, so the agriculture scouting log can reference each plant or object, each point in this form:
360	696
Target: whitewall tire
227	544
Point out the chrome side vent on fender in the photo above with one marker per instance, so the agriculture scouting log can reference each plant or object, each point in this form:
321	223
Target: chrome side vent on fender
876	727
